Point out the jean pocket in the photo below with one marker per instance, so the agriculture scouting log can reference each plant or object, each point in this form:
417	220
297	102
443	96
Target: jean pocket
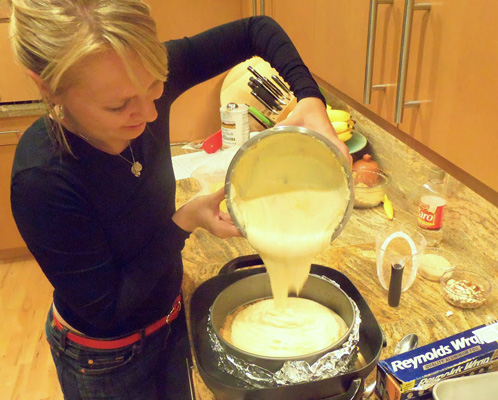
96	362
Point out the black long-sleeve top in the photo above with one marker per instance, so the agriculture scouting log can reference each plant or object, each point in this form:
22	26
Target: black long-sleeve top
105	238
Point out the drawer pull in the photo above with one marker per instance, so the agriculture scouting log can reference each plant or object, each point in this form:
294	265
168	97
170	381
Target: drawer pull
372	26
403	59
7	132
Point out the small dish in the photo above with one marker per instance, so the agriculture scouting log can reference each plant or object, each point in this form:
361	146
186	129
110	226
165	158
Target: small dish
356	143
370	196
465	288
435	262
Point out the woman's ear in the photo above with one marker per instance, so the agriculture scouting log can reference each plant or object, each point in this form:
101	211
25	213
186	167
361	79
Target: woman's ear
44	89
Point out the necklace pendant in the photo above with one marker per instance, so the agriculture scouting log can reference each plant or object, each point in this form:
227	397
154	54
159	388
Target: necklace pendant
136	168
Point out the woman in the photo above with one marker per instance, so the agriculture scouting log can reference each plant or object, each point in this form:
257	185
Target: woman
93	189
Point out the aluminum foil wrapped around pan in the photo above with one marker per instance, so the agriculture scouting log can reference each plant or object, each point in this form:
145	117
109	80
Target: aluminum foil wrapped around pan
333	363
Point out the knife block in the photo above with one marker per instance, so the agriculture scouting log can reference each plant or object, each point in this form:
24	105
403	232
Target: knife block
235	89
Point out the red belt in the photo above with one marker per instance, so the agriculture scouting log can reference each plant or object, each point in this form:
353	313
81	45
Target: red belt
111	344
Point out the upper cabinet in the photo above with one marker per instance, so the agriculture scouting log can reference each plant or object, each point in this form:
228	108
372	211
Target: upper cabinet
195	115
427	68
15	85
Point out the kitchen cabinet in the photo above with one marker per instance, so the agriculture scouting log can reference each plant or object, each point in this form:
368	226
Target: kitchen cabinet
15	85
196	114
10	132
298	19
450	71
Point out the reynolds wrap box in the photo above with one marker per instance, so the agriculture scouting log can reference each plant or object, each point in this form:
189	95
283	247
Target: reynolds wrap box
412	375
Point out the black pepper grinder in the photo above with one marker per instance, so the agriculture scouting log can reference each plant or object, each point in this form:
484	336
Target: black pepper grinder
394	294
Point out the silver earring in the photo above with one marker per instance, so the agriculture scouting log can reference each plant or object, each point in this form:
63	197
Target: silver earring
61	111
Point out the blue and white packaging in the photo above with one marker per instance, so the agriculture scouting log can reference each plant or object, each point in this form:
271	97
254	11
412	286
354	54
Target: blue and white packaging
412	375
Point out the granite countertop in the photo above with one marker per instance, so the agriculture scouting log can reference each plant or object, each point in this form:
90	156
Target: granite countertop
422	309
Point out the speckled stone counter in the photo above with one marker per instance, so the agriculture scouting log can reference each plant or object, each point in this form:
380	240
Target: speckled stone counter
469	233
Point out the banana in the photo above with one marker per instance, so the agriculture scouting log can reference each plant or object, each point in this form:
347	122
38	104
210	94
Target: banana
345	136
338	115
341	126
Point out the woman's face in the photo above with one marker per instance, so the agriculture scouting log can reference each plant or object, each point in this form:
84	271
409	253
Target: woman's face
104	105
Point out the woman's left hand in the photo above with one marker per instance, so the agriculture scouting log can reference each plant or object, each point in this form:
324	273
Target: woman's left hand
204	212
311	113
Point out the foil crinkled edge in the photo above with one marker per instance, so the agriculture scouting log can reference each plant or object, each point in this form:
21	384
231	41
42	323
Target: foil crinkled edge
331	364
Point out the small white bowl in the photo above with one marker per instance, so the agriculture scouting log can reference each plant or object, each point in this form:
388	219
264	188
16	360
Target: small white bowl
435	262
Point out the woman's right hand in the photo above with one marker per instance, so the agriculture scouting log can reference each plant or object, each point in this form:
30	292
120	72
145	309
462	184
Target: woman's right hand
204	212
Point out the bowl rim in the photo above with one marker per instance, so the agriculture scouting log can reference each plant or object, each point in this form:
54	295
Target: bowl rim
484	282
386	179
286	130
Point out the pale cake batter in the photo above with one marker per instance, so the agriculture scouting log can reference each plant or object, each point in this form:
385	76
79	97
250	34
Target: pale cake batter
290	199
287	332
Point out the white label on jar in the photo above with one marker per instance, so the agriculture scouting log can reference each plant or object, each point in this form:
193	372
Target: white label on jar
234	126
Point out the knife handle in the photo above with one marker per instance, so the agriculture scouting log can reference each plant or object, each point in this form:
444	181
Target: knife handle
261	84
280	83
265	95
263	102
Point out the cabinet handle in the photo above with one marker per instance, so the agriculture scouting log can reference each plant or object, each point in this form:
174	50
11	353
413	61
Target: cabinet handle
372	26
254	11
403	58
7	132
262	7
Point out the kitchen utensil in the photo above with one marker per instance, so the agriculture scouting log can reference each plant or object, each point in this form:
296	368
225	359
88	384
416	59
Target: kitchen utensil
267	123
276	95
262	166
225	386
394	294
212	143
267	106
265	95
409	342
280	83
398	244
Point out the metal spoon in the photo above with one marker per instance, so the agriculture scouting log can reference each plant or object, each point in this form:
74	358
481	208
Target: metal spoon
409	342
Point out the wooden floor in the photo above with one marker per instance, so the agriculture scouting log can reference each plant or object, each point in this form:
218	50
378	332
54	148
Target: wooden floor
26	368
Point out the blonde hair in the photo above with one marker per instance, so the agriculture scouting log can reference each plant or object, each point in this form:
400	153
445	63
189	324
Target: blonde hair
51	36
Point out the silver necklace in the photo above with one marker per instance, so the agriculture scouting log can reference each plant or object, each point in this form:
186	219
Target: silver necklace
136	167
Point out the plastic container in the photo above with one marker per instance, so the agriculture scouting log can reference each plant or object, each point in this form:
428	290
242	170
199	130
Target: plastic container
435	262
432	204
465	288
481	386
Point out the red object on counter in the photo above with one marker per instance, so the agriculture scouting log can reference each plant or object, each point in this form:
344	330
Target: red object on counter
212	143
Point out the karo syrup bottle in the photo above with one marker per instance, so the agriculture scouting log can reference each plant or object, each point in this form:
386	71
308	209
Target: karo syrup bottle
432	205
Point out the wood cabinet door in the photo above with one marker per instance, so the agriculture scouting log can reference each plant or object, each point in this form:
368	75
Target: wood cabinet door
196	114
452	68
297	18
332	36
15	85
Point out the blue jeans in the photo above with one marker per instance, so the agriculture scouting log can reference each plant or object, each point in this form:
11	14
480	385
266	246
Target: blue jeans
156	368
